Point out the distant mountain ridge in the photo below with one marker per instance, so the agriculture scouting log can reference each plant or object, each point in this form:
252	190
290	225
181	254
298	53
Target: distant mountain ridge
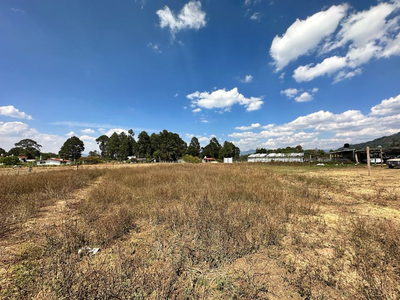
247	152
385	141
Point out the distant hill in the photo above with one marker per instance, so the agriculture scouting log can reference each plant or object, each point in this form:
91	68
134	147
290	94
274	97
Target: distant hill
247	152
386	142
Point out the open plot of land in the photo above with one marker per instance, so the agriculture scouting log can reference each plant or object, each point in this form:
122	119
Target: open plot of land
241	231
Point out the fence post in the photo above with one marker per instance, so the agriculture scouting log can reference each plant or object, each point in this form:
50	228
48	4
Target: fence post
368	162
381	159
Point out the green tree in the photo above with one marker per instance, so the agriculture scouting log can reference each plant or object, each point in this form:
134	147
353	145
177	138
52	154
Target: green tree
194	147
113	145
155	146
132	142
29	148
2	152
94	153
171	146
16	151
10	160
261	150
212	149
229	150
48	155
102	142
124	148
72	148
144	144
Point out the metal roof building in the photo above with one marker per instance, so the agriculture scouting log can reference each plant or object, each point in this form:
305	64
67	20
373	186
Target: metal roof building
279	157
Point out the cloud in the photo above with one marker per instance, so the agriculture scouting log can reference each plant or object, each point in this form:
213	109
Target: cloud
387	107
17	10
256	16
176	95
13	132
11	111
142	2
363	36
87	138
70	134
196	110
117	130
155	47
252	126
204	121
304	97
247	79
224	99
290	93
190	17
88	130
361	28
10	128
343	75
247	2
303	36
324	129
327	67
102	127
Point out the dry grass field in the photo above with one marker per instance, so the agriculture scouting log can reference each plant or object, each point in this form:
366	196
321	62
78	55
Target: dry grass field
208	231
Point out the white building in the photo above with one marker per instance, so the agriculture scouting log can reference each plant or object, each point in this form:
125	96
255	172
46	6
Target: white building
54	162
279	157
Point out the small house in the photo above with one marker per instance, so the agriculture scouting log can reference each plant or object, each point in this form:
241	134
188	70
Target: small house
55	162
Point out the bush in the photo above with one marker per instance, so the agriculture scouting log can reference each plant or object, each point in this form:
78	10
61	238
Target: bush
10	160
191	159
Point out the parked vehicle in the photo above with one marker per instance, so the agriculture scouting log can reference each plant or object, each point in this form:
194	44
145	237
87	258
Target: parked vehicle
393	162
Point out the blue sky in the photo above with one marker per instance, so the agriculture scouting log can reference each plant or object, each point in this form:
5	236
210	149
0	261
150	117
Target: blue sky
255	72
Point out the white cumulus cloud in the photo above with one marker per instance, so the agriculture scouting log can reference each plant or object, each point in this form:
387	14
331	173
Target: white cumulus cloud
224	99
11	111
190	17
252	126
290	93
363	36
304	97
88	130
387	107
303	36
327	67
324	129
247	79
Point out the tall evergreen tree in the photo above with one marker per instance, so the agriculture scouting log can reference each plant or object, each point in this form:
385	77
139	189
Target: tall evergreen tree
132	142
194	147
212	149
102	142
123	150
113	145
143	144
229	150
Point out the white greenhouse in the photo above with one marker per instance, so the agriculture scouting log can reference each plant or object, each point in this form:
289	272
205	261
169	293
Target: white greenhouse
280	157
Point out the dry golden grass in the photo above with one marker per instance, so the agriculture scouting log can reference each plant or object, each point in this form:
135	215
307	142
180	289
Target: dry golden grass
242	231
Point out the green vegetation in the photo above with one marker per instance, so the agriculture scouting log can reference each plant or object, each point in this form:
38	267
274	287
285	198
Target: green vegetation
10	160
72	148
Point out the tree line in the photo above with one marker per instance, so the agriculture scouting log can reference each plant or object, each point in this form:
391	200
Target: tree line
164	146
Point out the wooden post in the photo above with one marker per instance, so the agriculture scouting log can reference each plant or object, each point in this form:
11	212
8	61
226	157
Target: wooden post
368	162
381	159
356	155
